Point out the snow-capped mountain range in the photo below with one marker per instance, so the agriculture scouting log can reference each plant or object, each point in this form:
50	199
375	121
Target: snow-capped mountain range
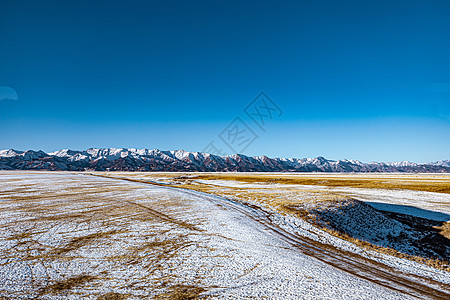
130	159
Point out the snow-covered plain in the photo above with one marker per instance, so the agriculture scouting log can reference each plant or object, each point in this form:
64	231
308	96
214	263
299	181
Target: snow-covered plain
72	236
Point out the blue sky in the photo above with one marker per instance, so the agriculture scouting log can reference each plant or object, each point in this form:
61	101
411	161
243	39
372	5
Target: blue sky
367	80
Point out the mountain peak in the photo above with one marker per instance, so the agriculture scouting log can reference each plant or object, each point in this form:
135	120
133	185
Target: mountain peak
10	153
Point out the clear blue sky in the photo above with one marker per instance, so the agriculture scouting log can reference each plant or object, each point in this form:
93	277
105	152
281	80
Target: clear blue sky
367	80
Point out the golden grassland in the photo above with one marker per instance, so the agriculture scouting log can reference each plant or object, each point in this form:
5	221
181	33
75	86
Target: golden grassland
377	182
438	183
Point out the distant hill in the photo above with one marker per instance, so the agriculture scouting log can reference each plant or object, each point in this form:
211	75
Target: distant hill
112	159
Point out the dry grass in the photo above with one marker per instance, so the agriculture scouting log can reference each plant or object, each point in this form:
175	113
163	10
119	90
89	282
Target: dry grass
82	241
112	296
444	230
68	283
182	292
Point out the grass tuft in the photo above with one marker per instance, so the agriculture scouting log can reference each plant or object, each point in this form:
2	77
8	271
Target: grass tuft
182	292
68	283
112	296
